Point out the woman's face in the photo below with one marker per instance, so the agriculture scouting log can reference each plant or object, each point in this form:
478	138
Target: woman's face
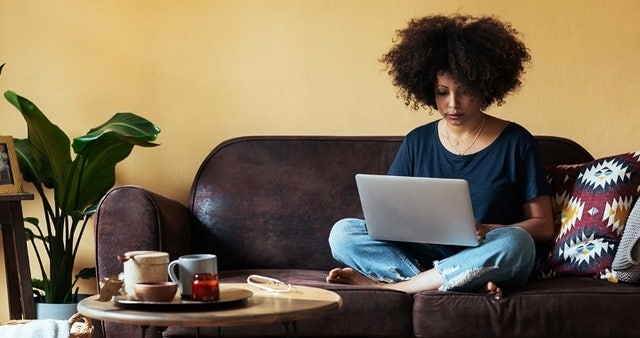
456	103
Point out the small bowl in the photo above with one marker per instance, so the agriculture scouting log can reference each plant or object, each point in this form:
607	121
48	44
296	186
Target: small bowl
155	292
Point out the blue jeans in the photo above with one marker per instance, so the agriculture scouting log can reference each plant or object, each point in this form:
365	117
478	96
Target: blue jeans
506	257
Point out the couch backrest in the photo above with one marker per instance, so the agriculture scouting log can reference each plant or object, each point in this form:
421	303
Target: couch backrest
270	202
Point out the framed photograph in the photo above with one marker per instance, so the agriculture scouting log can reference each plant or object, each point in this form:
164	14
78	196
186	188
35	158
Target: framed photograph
10	177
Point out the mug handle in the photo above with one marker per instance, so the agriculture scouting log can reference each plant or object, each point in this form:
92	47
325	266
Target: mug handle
172	273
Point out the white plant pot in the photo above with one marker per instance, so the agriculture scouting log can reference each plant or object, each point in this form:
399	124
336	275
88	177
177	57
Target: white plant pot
55	311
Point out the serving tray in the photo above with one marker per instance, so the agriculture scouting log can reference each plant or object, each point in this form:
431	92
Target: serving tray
228	297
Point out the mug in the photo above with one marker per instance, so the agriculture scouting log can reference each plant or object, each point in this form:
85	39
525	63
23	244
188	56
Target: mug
190	265
144	267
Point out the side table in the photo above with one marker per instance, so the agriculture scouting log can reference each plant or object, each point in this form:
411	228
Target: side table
263	307
15	256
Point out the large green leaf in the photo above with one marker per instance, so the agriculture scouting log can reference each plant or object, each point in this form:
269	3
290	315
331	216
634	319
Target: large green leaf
26	161
49	146
130	127
98	152
95	172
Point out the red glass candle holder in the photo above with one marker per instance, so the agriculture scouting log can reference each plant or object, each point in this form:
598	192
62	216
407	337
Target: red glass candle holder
205	286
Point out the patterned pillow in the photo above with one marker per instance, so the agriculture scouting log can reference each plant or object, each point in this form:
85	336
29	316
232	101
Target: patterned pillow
591	203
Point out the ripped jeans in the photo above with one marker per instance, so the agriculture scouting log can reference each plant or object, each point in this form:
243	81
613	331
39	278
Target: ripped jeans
505	257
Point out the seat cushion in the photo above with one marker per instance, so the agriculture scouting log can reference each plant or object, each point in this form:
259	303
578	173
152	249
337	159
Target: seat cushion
366	311
562	307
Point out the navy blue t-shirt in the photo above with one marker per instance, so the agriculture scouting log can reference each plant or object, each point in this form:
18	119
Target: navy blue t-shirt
501	177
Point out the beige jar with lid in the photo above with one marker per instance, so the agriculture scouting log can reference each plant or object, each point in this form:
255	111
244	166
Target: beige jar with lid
144	267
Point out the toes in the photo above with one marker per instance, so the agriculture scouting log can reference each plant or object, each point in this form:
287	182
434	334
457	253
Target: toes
334	276
492	290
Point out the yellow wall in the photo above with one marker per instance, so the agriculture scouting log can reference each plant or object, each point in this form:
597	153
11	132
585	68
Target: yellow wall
209	70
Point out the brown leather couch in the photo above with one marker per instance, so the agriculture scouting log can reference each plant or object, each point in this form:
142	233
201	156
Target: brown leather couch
266	204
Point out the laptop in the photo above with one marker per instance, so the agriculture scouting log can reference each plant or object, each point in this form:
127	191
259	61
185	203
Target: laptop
417	209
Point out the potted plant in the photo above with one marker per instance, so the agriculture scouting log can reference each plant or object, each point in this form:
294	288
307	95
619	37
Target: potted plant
70	188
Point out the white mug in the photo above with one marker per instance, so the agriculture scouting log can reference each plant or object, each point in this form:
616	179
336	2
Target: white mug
191	265
144	267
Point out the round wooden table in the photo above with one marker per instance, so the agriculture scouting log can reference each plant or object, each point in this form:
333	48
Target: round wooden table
260	307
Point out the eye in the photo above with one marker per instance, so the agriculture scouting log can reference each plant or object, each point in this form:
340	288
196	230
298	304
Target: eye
441	91
466	92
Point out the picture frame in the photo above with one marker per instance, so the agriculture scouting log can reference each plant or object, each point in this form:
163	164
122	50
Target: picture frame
10	176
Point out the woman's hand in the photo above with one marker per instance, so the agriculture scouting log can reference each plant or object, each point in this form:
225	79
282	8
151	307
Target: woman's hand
483	229
538	221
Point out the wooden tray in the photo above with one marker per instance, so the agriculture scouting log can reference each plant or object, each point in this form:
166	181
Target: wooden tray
228	296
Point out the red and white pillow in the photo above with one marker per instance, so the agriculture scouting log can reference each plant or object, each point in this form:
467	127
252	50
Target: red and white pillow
591	203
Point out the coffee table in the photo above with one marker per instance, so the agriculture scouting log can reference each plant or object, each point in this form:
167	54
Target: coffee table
263	307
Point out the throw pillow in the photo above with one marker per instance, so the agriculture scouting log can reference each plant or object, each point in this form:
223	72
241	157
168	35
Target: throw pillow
591	203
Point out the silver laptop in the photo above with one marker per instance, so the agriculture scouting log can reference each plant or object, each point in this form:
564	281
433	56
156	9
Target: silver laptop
417	209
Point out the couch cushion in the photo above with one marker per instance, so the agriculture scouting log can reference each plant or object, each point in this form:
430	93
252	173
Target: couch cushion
270	202
562	307
591	203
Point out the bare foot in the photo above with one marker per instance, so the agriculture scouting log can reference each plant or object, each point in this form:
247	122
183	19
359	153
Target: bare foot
349	276
492	290
425	281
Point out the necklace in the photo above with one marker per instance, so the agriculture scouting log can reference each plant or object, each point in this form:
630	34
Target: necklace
476	132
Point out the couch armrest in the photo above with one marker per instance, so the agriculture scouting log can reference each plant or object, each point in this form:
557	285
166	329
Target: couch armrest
132	218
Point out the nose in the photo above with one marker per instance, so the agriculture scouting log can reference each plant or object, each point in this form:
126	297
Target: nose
453	100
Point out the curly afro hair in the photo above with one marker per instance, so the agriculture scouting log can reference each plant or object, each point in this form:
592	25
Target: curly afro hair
483	54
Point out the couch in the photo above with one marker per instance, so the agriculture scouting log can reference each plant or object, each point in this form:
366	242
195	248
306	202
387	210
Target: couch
265	205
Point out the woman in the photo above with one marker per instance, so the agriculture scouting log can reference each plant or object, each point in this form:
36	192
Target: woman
459	65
